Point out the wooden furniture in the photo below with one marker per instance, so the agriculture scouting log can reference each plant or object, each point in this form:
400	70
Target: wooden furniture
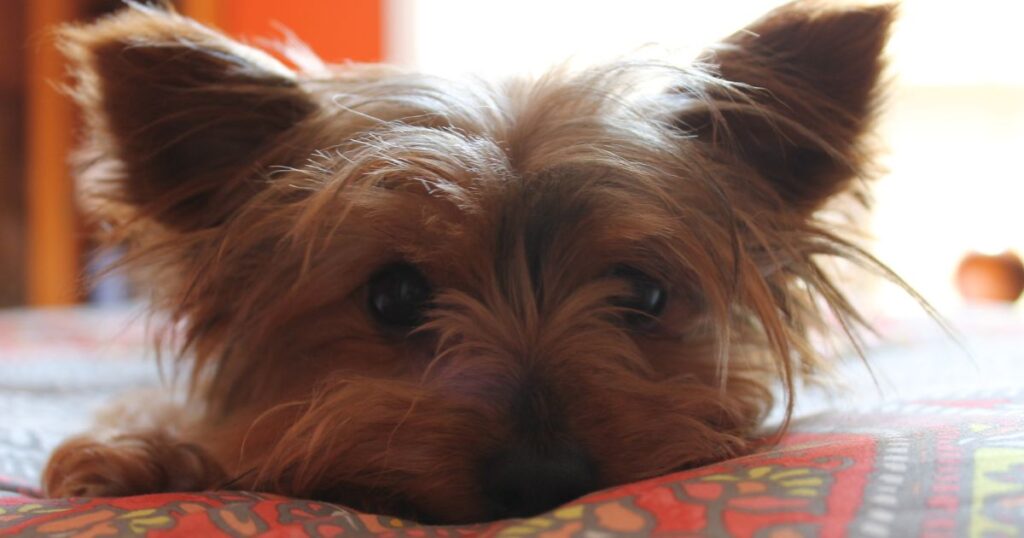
12	104
52	246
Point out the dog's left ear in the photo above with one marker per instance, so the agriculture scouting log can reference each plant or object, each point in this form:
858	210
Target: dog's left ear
179	114
801	91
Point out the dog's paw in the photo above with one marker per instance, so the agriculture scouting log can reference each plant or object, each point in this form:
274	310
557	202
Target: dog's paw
128	464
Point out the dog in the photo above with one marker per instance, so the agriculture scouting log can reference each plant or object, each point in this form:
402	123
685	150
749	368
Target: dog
459	301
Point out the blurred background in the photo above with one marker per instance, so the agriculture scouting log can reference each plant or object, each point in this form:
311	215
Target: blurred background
945	212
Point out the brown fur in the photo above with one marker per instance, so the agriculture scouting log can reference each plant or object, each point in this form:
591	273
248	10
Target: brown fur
258	201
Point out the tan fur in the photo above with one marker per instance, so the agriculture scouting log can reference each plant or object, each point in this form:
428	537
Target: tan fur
257	202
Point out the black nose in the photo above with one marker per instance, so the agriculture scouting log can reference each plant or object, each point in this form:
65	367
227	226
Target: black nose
523	481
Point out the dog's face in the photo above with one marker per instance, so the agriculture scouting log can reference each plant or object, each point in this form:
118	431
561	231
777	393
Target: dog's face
458	301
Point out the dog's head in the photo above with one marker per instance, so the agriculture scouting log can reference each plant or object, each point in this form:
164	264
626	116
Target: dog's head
460	301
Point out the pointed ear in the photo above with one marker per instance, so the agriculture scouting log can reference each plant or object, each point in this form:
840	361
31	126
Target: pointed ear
179	114
800	92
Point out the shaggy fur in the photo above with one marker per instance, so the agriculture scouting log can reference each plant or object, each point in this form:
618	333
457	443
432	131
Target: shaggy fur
257	202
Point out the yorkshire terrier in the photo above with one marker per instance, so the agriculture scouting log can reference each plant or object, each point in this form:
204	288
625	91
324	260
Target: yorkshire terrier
459	301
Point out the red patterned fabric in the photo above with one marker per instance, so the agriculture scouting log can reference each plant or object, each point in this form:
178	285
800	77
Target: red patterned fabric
944	470
944	464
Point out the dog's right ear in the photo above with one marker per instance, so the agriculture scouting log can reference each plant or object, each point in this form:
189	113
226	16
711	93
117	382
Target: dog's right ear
180	115
804	86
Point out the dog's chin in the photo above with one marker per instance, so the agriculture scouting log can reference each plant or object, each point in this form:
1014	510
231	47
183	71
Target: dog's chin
441	507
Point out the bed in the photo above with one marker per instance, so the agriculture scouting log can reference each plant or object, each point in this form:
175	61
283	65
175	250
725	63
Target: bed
932	445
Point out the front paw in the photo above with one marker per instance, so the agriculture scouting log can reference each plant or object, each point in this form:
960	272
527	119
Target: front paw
129	464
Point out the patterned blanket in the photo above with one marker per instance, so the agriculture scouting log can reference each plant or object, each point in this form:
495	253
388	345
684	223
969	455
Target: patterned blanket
932	445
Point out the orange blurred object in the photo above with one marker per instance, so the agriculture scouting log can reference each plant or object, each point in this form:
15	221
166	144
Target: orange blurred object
990	278
336	31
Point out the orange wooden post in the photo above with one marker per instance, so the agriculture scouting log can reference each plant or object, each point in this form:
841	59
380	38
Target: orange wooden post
52	251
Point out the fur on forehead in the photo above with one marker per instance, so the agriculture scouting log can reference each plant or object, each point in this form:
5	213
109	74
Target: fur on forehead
602	129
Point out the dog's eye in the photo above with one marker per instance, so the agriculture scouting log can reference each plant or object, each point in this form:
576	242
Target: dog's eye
398	295
646	298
